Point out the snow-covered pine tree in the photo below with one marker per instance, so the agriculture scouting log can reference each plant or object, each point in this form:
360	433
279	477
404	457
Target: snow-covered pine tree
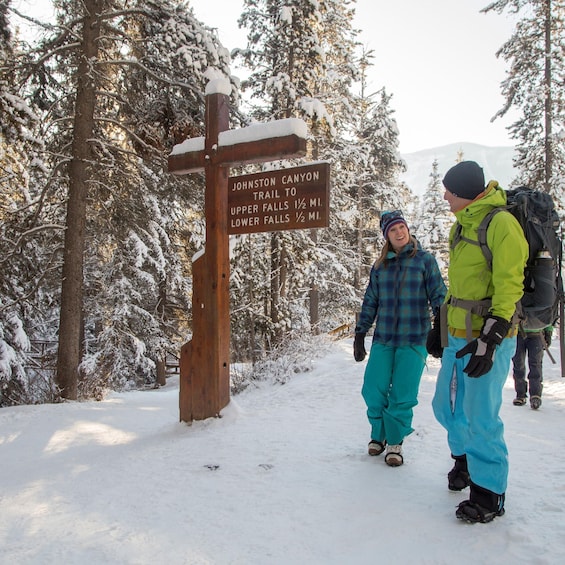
289	66
334	275
115	103
27	246
366	165
284	54
157	223
435	220
534	85
12	349
379	188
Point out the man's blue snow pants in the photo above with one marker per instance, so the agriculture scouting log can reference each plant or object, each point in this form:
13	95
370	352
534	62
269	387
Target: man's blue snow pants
468	408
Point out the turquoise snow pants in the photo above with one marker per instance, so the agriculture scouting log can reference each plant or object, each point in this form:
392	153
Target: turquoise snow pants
390	390
468	408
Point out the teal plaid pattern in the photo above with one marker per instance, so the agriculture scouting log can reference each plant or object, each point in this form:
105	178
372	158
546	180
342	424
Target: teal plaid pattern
399	298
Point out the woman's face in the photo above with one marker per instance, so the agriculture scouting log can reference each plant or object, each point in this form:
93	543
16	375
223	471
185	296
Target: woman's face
399	236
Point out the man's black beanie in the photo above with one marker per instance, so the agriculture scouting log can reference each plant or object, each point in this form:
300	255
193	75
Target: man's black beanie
466	180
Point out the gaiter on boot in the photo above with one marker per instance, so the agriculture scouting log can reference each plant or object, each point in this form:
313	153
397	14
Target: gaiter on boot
458	477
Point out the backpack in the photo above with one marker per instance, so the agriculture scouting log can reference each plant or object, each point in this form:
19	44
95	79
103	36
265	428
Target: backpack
535	212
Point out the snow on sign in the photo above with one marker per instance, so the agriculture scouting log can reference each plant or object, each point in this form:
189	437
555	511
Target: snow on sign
286	199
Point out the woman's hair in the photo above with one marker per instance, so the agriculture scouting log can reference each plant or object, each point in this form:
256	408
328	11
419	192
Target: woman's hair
388	247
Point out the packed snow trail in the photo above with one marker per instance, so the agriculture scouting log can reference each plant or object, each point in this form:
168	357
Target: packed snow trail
282	478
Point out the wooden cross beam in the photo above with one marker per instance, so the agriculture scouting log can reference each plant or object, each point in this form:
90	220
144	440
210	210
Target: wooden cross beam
205	359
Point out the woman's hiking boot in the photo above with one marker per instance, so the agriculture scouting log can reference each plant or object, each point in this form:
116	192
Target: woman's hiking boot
458	477
393	457
376	447
483	506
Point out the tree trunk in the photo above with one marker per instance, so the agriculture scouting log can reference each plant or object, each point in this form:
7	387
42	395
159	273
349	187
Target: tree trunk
357	283
548	99
69	353
251	298
315	309
161	362
161	368
314	295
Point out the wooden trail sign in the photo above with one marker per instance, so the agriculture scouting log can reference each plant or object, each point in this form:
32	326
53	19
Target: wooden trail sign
205	359
285	199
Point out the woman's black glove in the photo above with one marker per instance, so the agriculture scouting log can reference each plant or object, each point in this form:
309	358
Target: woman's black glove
433	341
482	349
359	352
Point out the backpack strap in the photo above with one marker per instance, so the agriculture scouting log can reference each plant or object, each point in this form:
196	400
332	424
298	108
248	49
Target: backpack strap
457	237
481	234
443	325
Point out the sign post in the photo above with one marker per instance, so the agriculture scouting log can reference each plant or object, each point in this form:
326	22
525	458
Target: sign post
205	359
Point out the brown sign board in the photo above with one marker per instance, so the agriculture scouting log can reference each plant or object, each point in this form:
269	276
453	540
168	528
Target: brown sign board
284	199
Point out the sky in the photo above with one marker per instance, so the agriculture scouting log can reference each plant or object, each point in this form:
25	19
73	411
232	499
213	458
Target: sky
437	58
282	478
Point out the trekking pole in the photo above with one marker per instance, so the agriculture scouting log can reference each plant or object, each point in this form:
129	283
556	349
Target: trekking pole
561	311
562	335
551	356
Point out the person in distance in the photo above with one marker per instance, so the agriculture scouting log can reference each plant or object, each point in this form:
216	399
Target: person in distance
531	344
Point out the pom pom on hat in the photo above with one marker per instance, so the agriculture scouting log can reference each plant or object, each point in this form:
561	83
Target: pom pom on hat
466	180
389	219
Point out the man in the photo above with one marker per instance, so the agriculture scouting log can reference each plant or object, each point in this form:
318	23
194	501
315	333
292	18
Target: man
481	340
531	343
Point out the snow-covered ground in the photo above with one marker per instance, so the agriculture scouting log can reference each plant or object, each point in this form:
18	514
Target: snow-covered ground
282	478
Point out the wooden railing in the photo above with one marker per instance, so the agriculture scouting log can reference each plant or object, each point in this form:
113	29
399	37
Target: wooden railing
43	355
340	332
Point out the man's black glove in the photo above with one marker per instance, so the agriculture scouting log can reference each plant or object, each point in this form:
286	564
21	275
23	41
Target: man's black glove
547	336
482	349
359	347
433	341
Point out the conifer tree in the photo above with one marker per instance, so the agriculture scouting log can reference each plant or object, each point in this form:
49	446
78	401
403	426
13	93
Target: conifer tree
26	230
299	54
534	85
382	165
116	101
435	220
367	167
386	164
284	55
156	224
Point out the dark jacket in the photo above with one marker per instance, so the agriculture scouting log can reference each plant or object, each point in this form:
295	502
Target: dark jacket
399	296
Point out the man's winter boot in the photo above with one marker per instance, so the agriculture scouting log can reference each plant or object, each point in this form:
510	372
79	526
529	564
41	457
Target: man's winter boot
483	506
535	402
519	401
458	477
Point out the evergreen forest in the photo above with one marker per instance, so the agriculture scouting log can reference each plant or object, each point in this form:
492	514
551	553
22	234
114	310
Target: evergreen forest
97	237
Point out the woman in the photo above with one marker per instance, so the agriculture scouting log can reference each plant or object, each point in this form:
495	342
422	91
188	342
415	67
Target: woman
404	283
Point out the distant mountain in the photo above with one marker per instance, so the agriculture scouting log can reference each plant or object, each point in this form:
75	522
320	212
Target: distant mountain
496	162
